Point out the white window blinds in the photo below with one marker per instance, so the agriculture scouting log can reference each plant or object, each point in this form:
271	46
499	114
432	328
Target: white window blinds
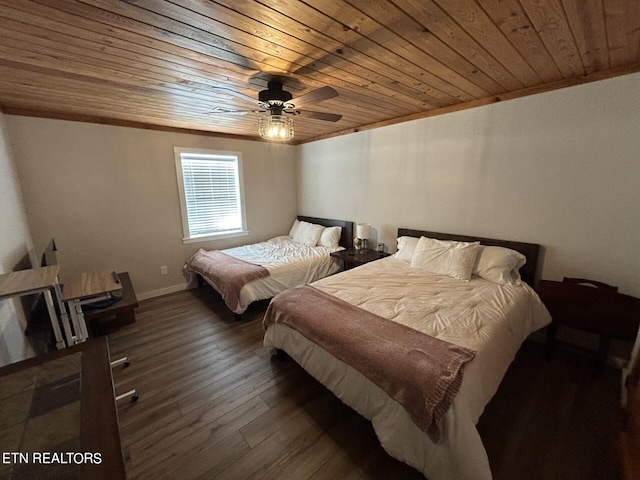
211	192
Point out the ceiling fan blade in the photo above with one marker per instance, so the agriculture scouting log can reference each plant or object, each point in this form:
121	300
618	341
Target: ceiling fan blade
319	95
232	112
238	94
327	117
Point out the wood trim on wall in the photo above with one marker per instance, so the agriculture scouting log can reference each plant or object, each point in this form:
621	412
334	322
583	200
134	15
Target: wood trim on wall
120	123
568	82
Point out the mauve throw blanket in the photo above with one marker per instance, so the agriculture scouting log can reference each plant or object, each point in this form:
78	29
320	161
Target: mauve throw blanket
419	371
227	274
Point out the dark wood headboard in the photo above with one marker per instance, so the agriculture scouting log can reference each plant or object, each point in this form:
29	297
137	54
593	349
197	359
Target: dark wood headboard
528	272
346	237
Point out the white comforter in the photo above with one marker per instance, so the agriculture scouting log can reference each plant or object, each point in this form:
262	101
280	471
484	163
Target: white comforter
289	263
489	318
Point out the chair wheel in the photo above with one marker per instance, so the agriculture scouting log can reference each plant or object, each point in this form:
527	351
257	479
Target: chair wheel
126	364
134	398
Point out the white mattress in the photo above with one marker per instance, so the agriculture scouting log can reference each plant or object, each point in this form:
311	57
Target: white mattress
289	263
489	318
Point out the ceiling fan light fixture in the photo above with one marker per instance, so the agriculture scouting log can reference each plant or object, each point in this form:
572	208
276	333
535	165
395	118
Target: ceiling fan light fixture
275	127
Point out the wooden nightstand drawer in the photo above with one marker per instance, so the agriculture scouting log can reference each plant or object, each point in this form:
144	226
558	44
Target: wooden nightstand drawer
353	258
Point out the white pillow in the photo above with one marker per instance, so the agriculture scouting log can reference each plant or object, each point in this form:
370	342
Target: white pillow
280	239
499	265
308	233
330	237
406	247
294	227
455	259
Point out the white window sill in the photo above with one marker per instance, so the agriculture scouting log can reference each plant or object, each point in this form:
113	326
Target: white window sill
218	236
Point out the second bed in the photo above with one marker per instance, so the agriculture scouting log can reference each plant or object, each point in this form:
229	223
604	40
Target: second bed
425	417
261	270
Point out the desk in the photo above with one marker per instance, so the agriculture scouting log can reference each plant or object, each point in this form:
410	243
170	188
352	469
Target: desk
34	280
51	413
83	288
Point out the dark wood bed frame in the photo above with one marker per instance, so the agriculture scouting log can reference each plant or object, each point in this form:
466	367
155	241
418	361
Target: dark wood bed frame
346	237
531	251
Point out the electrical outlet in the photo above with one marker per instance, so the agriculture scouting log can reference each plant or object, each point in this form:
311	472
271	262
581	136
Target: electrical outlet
163	270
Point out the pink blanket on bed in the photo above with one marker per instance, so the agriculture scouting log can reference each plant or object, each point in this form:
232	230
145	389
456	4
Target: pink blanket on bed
225	273
420	372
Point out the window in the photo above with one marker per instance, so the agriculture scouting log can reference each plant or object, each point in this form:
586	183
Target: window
211	194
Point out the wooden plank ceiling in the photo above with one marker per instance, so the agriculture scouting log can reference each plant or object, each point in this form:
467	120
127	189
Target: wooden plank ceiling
169	64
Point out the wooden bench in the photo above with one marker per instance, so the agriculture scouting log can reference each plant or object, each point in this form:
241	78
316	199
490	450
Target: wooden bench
102	320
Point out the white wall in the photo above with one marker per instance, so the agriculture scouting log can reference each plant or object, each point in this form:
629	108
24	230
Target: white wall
15	245
561	169
109	196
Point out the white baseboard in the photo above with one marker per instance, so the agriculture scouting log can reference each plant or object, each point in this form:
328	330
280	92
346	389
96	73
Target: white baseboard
163	291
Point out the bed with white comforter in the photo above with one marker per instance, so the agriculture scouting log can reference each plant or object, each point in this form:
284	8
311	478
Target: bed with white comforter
290	260
289	264
490	318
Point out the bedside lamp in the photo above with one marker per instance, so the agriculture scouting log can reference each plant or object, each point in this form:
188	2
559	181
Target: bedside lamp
363	233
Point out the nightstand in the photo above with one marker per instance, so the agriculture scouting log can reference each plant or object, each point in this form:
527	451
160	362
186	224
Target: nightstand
353	258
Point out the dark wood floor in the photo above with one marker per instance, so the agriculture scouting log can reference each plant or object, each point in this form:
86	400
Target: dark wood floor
215	404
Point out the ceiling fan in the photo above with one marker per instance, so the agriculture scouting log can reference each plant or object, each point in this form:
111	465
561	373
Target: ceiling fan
277	102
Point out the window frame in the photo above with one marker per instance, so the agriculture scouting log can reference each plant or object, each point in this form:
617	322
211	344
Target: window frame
186	236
